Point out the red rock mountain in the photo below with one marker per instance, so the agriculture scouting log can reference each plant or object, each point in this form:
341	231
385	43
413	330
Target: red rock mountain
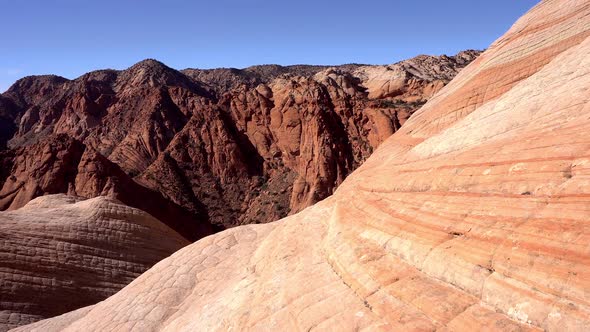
474	216
216	148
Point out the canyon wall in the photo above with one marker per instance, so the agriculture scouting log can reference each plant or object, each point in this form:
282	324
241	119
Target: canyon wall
227	146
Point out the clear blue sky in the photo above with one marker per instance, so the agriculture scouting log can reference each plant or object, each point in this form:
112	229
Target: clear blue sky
71	37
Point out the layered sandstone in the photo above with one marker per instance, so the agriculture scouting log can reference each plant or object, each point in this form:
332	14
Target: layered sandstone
229	146
59	253
474	216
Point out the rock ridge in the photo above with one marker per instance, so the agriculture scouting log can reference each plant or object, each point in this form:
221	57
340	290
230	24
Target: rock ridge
234	146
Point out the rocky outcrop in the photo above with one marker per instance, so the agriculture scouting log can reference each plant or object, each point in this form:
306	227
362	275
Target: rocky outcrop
231	146
473	216
61	164
60	253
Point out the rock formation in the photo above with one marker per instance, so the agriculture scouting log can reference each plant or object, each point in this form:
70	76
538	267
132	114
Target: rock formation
228	146
60	164
59	253
473	216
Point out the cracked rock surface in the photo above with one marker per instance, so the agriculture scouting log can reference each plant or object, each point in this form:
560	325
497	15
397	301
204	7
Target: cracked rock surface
473	216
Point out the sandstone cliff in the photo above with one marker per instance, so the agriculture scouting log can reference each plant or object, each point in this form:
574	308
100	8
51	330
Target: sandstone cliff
473	216
227	146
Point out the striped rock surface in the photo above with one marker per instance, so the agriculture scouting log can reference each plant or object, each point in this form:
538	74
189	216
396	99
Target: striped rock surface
60	253
474	216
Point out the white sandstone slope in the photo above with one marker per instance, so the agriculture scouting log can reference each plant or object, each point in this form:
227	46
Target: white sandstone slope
60	253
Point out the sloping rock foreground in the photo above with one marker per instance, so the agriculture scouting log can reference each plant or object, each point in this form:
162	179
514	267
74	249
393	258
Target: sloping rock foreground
59	253
228	146
474	216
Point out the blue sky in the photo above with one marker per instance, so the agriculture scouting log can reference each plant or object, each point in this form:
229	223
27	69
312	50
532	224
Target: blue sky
71	37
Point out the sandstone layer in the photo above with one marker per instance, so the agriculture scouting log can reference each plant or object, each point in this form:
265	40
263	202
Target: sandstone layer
59	253
228	146
473	217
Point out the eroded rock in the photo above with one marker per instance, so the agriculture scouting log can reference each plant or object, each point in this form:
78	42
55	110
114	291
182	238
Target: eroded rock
233	146
473	216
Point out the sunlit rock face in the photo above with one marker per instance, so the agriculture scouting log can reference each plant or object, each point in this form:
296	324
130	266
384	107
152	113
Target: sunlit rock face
229	146
474	216
197	150
59	253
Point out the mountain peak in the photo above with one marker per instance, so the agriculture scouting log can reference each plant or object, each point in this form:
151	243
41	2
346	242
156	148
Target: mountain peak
153	73
28	81
150	63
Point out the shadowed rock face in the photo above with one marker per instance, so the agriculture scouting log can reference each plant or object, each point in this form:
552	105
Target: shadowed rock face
59	253
228	146
474	216
60	164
